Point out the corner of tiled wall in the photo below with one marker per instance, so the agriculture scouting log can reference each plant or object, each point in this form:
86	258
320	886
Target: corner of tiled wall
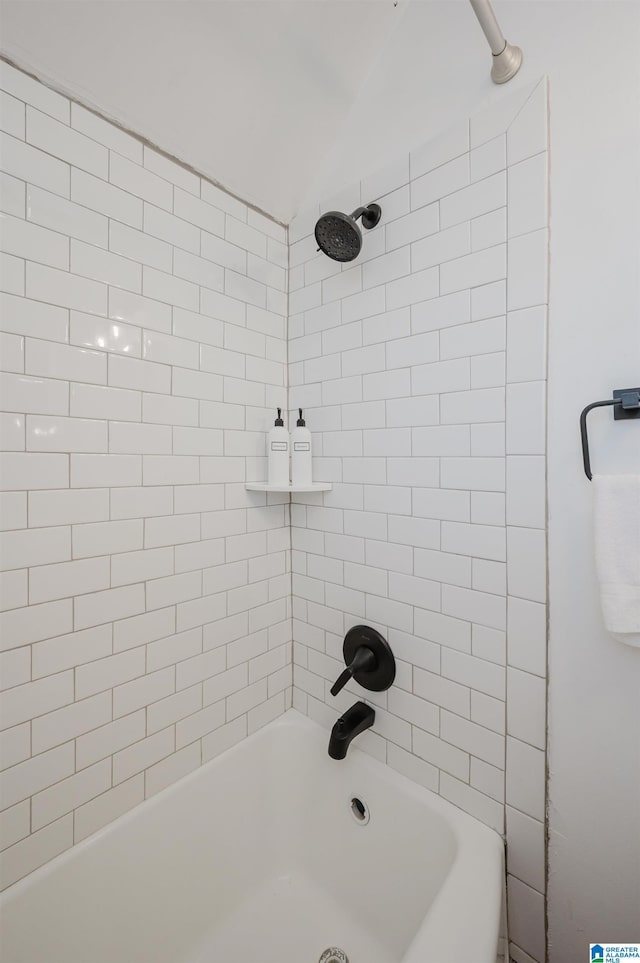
146	613
422	366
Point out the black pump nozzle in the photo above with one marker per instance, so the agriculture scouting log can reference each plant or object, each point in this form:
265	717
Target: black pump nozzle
300	423
279	423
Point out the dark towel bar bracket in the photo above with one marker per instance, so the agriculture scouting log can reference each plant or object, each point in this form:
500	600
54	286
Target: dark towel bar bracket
626	404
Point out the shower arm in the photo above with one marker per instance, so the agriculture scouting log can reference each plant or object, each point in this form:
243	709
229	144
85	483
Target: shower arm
507	59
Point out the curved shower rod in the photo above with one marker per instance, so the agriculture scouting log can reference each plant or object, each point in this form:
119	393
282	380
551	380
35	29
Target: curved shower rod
507	59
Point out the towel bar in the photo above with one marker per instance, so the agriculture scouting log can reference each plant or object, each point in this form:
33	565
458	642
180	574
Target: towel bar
626	404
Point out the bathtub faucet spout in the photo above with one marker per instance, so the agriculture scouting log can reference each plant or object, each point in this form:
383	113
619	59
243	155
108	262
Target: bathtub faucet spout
354	721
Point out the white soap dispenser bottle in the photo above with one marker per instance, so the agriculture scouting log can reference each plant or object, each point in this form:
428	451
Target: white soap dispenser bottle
301	453
278	453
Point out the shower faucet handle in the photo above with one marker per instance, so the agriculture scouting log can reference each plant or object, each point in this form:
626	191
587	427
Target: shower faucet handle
368	658
363	661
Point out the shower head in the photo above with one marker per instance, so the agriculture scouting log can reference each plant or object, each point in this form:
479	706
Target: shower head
338	235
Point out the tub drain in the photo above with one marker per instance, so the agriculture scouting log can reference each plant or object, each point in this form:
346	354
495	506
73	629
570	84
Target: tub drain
334	955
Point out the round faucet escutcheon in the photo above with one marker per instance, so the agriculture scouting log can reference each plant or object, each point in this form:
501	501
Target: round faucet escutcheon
369	658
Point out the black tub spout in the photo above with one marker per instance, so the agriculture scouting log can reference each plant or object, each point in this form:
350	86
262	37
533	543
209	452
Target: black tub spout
354	721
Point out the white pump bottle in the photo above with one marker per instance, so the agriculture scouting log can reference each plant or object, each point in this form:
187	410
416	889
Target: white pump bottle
278	442
301	453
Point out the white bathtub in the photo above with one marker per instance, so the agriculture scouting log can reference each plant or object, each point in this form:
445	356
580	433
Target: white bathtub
257	858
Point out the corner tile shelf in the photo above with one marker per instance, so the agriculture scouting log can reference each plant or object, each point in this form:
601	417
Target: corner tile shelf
264	487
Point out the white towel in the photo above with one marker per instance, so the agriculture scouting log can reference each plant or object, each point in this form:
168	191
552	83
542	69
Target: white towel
617	541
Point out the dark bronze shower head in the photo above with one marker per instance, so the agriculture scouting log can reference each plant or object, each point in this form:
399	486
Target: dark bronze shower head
339	236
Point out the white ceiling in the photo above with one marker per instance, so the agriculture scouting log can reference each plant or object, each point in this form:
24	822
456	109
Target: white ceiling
251	93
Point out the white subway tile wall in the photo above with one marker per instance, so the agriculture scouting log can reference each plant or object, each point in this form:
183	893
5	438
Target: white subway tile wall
422	367
146	596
